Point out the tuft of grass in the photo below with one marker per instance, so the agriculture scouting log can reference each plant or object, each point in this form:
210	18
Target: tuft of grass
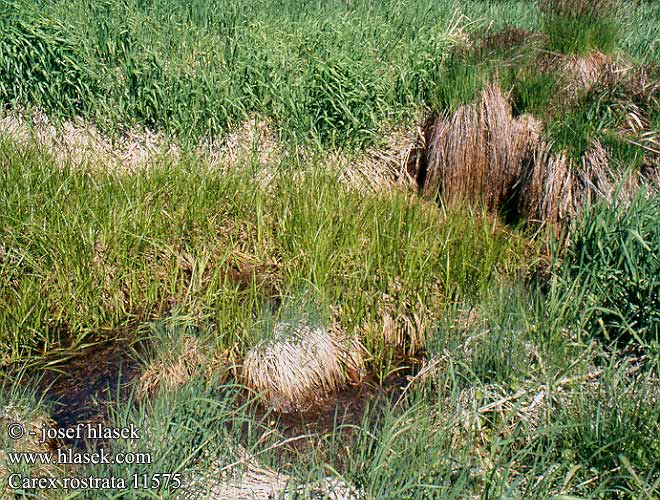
612	269
617	111
176	353
299	365
460	82
477	154
575	132
534	93
597	114
581	26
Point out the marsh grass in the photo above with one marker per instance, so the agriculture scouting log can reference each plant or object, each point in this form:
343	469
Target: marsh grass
533	93
159	66
108	252
530	383
485	420
332	74
614	258
514	401
580	26
192	431
615	109
41	62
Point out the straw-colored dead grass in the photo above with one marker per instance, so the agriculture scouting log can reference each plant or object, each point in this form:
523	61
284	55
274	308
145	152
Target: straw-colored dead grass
246	479
178	367
80	142
478	152
584	71
383	167
252	142
484	155
301	365
554	188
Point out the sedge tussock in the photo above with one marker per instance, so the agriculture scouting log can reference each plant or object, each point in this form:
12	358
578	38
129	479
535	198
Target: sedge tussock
484	155
555	187
301	364
477	153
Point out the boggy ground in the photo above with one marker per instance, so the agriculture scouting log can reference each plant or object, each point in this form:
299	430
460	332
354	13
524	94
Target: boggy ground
460	209
520	373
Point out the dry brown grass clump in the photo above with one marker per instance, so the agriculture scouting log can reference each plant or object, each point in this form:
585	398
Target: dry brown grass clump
179	366
477	153
301	365
638	93
482	154
553	188
383	167
586	70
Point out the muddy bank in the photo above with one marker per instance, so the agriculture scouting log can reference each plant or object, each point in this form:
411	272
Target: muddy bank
82	389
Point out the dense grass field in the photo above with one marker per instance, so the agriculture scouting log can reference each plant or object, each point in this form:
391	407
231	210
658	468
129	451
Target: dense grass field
333	73
340	249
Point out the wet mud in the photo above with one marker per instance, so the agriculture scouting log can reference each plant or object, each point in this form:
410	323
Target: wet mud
82	389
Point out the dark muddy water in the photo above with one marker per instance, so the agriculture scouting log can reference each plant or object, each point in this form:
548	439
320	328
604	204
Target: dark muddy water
82	389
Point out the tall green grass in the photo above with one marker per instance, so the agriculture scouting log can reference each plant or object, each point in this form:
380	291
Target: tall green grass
611	273
41	62
516	402
87	254
332	74
329	73
581	26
